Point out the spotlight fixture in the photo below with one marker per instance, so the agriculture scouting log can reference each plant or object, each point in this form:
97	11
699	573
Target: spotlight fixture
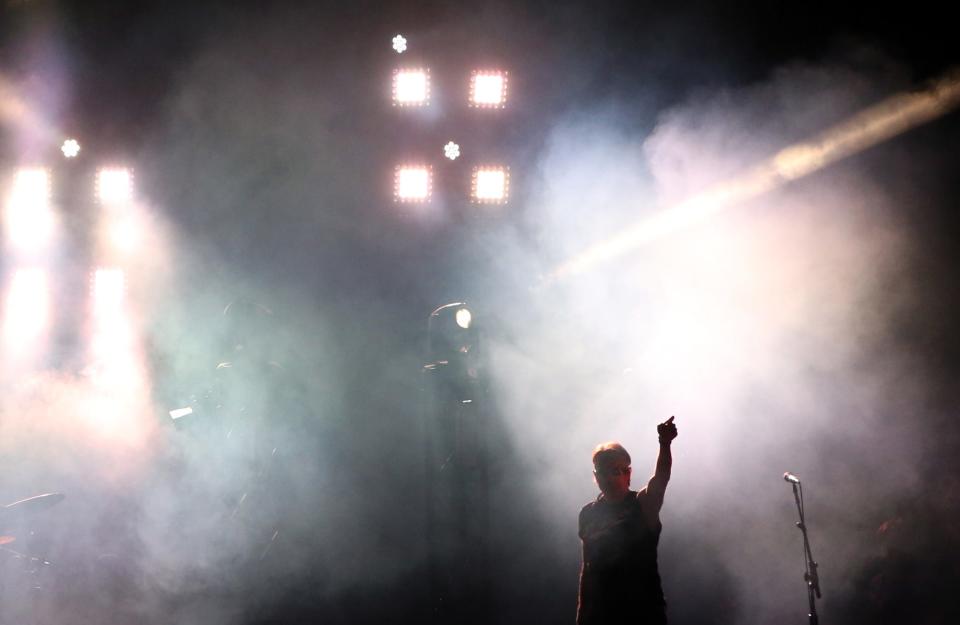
464	318
115	185
412	183
70	148
488	89
411	87
451	150
399	44
490	185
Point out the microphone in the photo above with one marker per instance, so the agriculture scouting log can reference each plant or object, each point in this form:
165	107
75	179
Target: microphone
790	477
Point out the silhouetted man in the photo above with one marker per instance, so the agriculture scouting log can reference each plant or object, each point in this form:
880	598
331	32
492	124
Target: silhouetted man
619	580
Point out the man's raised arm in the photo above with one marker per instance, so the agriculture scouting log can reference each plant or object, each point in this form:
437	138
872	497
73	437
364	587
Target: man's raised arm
657	485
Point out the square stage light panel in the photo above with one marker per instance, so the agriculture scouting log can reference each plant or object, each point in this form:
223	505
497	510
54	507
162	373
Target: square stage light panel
491	185
488	89
412	184
411	87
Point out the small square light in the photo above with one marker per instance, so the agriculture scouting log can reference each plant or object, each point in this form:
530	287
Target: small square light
413	184
411	87
490	185
115	185
488	89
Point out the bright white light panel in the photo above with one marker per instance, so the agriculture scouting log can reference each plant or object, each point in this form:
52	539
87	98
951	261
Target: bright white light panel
115	185
412	184
490	185
488	89
411	87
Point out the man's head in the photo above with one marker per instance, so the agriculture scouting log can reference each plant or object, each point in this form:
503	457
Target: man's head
611	469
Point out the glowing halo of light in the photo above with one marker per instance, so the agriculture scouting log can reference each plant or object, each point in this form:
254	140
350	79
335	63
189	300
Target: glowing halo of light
451	150
114	185
70	148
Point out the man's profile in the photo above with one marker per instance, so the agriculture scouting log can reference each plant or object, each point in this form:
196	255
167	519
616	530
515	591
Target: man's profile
620	530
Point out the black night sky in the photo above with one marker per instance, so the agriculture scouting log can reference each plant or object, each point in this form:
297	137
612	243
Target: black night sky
807	327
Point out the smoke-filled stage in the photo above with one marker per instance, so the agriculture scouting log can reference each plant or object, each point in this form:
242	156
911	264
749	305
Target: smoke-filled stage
515	312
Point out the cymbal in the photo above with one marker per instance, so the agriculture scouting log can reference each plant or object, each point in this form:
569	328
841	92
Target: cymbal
34	504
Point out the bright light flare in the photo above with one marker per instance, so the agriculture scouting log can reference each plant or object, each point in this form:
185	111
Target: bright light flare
399	44
70	148
464	318
412	184
411	87
115	185
451	150
491	185
880	122
27	310
29	219
488	89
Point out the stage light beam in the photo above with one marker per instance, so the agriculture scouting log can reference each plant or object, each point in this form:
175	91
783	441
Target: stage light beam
871	126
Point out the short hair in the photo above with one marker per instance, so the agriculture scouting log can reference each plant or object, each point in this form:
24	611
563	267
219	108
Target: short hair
607	452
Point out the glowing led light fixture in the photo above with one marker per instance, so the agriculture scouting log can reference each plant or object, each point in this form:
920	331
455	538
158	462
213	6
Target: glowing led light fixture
399	44
411	87
28	217
490	185
451	150
463	318
488	89
115	185
70	148
413	184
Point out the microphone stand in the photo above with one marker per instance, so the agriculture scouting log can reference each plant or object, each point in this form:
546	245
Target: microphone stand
810	574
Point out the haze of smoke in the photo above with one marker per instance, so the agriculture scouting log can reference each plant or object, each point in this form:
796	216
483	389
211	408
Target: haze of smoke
765	331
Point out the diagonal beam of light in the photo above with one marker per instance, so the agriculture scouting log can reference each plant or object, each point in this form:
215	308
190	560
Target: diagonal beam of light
880	122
